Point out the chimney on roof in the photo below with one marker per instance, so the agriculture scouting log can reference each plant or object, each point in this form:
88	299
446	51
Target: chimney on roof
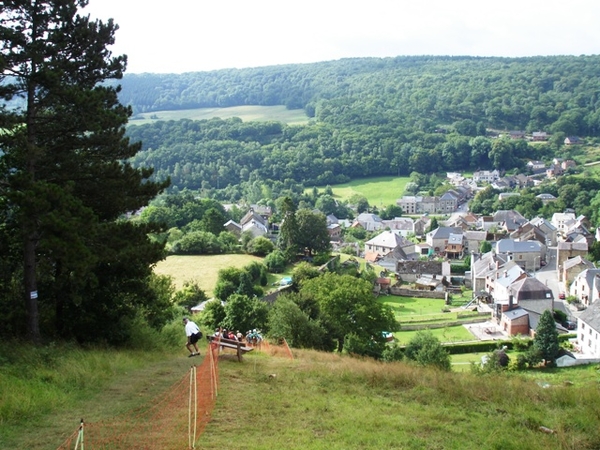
510	301
505	274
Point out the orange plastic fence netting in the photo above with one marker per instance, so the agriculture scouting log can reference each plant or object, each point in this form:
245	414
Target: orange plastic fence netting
173	420
282	349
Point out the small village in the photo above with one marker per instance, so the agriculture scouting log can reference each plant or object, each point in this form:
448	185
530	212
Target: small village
518	267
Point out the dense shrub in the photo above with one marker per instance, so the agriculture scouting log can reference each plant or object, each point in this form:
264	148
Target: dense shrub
275	262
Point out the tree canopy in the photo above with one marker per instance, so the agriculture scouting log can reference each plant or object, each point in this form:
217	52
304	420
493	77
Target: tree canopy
65	181
347	305
545	341
368	117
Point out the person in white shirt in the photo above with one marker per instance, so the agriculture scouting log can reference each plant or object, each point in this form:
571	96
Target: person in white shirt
193	334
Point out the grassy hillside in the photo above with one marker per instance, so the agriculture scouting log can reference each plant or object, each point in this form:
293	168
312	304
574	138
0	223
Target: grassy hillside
327	401
315	401
246	113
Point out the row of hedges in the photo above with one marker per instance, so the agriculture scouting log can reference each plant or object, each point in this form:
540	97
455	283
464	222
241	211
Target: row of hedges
425	324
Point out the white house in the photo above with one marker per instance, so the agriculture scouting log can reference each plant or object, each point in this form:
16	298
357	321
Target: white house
586	286
588	331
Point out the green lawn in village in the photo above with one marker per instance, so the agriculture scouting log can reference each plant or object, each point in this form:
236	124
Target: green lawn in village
428	311
379	191
456	333
417	310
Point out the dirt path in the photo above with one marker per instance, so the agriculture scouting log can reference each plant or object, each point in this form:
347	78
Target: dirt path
124	393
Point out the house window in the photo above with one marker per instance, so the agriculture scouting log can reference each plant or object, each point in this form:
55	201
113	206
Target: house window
520	256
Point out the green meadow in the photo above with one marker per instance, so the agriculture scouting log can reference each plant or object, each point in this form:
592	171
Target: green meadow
246	113
379	191
200	269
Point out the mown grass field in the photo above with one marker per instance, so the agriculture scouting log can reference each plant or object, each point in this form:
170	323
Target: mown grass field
246	113
415	310
379	191
456	333
202	269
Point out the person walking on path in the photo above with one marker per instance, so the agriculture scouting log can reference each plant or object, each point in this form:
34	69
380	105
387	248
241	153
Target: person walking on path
193	336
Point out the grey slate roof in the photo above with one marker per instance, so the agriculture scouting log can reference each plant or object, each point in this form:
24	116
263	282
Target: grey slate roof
531	289
515	313
511	218
387	239
510	245
591	316
569	263
444	232
456	239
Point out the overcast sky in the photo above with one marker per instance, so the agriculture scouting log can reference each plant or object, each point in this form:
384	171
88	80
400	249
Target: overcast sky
174	36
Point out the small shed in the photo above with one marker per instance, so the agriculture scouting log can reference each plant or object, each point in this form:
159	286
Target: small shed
429	283
515	321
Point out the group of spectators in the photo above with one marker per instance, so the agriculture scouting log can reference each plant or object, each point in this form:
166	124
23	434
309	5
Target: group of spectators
252	337
193	333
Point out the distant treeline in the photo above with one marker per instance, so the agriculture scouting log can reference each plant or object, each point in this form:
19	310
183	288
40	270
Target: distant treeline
371	117
504	93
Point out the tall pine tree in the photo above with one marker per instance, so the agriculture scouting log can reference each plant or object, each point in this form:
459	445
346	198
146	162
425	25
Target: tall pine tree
64	177
546	338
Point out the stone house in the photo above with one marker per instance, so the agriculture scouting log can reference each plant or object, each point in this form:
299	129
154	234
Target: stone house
515	322
382	244
400	225
562	221
568	250
233	227
528	254
528	294
508	219
335	232
370	222
438	238
548	229
481	265
254	223
573	267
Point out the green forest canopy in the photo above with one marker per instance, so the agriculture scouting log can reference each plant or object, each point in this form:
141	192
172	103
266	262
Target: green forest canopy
370	117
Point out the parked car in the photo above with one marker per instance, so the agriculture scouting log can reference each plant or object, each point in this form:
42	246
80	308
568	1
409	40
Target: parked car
561	296
570	325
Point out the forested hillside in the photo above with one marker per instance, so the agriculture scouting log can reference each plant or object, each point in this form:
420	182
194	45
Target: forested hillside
370	116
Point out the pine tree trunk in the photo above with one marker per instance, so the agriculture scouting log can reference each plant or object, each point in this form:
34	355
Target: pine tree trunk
30	282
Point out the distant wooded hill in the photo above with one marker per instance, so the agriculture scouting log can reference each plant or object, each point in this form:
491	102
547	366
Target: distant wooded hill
371	116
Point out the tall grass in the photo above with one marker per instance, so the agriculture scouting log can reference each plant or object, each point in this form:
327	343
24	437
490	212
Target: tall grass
51	383
335	402
318	400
